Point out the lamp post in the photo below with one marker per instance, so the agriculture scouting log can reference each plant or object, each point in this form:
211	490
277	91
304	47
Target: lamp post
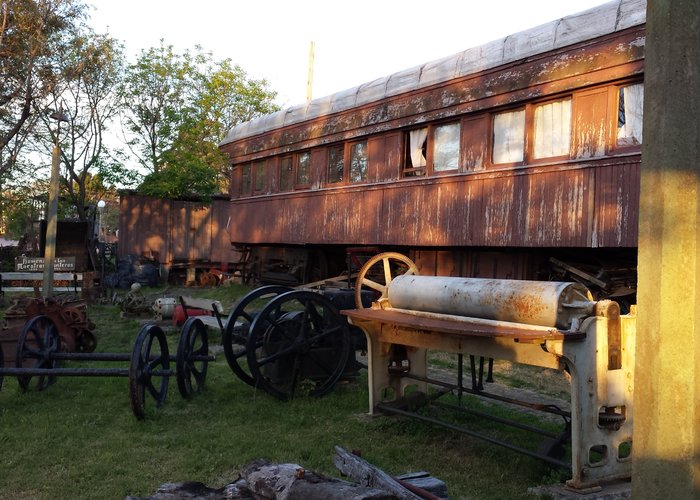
52	216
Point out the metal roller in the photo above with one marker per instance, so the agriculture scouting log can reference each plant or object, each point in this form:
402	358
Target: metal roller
544	303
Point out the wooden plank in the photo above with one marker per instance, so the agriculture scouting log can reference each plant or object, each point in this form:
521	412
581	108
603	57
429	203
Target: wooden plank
39	276
457	325
367	474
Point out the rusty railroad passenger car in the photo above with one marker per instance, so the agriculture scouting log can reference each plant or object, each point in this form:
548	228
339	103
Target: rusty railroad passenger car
486	163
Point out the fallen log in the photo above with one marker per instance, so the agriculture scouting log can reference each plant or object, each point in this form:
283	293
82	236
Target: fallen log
367	474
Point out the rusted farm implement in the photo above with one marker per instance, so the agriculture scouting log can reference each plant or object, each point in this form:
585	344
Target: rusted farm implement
39	355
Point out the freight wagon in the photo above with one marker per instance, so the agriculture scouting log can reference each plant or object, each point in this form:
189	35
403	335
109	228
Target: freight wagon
515	159
181	237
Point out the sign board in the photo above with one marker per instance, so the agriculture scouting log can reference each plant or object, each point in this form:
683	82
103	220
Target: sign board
36	264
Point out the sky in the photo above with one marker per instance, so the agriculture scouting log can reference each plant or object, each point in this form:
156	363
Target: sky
354	42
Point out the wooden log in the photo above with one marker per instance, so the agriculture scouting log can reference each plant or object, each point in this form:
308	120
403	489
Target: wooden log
293	482
367	474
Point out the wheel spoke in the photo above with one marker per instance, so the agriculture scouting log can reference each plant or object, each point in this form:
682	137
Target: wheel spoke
387	271
373	285
277	355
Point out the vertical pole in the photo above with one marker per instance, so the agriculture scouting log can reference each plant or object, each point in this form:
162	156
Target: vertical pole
310	78
51	224
666	441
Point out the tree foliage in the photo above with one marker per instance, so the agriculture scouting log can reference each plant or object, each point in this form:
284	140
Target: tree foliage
33	36
91	71
179	107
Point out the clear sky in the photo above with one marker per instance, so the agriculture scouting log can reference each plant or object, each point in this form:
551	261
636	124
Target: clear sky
355	42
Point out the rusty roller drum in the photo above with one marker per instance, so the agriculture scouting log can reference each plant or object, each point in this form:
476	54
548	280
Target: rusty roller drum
543	303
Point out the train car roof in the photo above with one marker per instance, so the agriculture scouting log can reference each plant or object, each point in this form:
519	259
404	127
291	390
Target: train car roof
598	21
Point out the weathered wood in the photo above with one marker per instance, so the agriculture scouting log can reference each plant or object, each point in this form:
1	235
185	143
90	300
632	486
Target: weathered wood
367	474
293	482
425	482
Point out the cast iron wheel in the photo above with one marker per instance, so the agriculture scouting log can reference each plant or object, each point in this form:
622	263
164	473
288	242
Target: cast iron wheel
191	373
298	345
235	335
378	272
149	360
38	340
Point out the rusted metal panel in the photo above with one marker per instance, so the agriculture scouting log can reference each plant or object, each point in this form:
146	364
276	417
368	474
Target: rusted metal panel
617	205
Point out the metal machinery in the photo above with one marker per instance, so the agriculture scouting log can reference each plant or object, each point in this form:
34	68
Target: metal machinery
292	342
553	325
39	353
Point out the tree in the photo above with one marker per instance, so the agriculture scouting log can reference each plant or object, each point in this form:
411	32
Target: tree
33	34
91	71
179	107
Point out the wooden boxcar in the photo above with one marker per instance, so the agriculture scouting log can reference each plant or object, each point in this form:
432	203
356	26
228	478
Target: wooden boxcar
516	159
179	235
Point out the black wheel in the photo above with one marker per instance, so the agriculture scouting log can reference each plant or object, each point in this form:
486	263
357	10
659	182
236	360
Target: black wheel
377	273
191	373
149	369
298	345
38	340
235	335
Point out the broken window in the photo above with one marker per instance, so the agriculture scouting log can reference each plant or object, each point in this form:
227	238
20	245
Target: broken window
303	177
245	180
509	137
259	175
446	147
629	115
336	164
358	161
286	173
552	129
416	151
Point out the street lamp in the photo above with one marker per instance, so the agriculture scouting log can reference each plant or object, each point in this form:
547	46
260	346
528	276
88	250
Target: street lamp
52	217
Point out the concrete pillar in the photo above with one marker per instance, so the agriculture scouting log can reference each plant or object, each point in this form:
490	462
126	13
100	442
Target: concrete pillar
666	442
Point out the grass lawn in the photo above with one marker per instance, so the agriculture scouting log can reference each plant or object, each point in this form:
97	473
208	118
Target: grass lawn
79	438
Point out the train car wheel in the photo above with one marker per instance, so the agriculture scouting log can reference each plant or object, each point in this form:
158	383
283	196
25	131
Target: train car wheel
298	345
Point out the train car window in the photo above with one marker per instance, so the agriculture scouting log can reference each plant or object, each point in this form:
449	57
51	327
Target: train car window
446	147
303	172
552	129
286	173
259	175
336	164
245	180
509	137
629	115
358	161
416	152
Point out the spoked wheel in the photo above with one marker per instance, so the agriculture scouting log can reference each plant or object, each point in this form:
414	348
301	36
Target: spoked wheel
191	362
38	340
378	272
149	369
235	335
298	345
